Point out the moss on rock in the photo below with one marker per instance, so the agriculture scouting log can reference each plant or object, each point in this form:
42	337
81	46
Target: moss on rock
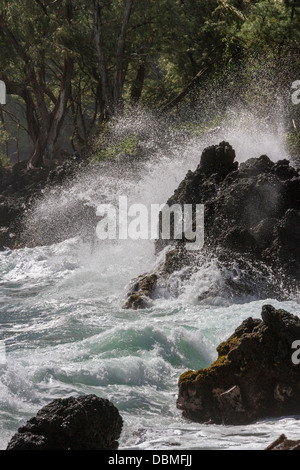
253	377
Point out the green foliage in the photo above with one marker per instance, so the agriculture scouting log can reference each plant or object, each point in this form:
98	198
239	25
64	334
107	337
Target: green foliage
4	136
293	141
268	27
167	43
125	146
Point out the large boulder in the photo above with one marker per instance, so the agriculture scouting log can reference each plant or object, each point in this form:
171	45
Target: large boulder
254	376
82	423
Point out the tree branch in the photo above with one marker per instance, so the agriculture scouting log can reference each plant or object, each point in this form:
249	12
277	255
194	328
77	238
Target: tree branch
185	91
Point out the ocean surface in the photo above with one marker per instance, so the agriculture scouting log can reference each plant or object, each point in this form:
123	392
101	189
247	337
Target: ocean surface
65	331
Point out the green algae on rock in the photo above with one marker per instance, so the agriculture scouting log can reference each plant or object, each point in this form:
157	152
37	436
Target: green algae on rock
253	377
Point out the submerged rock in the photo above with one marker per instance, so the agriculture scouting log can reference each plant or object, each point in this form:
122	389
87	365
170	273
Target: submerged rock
254	376
83	423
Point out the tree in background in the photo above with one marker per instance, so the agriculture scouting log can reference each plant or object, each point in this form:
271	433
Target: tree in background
37	66
73	65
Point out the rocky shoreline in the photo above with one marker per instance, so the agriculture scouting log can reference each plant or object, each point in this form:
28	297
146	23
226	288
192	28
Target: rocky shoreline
283	443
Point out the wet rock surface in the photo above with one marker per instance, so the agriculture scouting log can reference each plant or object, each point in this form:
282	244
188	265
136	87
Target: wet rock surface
254	376
283	443
83	423
141	291
251	216
253	208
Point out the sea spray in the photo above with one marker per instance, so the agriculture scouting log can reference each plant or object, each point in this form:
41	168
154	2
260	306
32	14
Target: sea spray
165	151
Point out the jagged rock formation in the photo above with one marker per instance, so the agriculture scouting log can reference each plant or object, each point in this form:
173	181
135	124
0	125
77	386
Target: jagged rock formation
254	376
251	217
252	209
83	423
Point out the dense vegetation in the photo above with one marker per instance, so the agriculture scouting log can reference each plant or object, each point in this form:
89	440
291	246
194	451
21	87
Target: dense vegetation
71	65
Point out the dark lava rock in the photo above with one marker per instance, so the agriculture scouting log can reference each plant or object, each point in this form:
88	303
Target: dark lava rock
283	443
256	166
254	376
239	239
8	239
285	246
218	159
83	423
251	221
245	207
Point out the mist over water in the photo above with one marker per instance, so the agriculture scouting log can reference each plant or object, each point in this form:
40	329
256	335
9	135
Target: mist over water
165	151
61	301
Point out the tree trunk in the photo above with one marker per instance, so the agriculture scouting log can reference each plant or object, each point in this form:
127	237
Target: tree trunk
45	144
138	84
185	91
105	90
21	90
190	86
119	78
293	9
33	127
